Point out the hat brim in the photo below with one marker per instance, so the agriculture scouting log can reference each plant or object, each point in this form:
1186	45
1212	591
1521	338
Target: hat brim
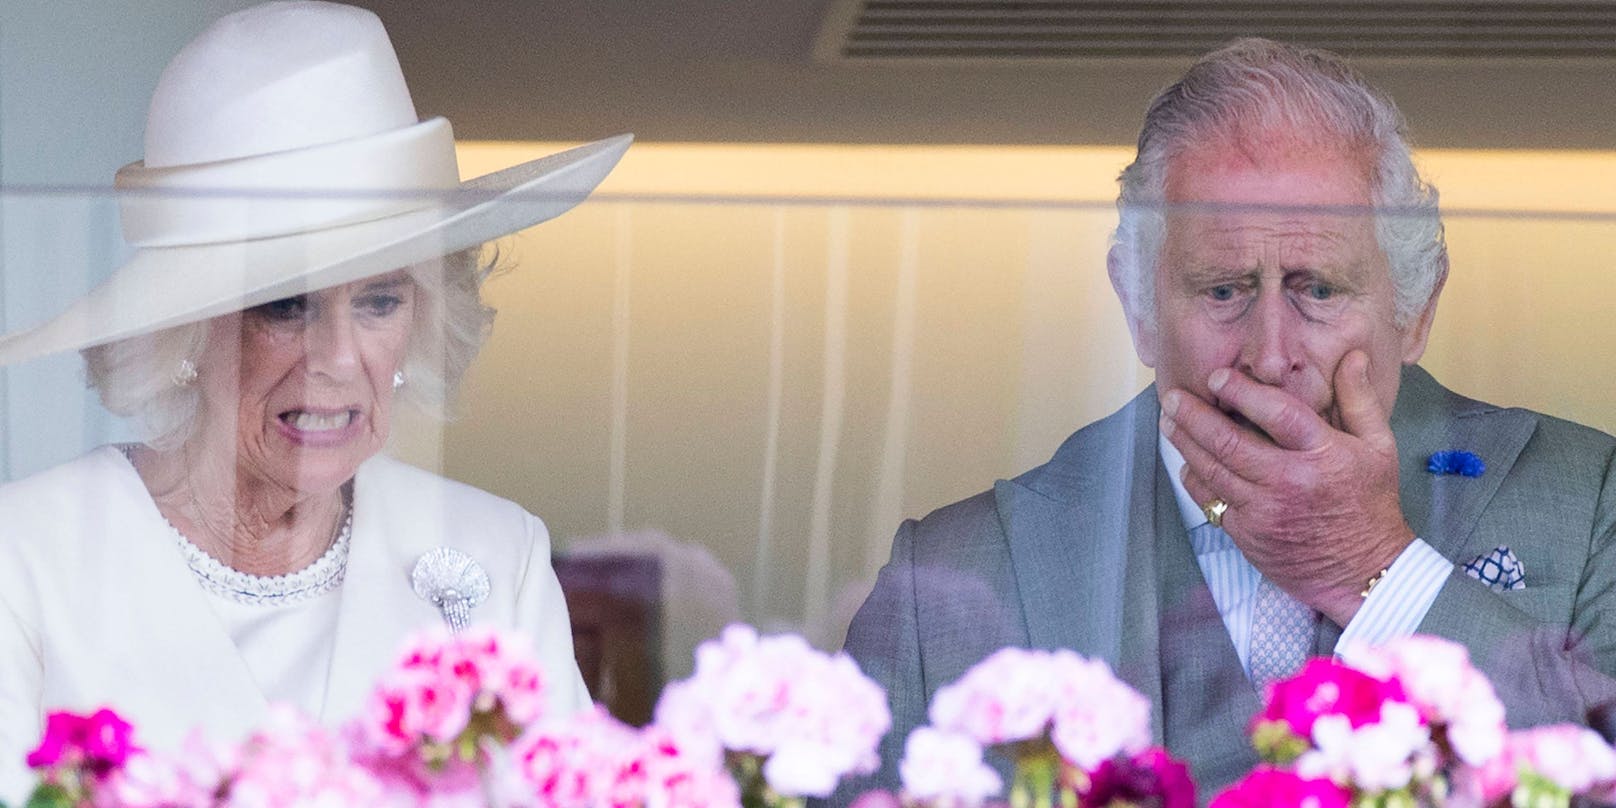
163	287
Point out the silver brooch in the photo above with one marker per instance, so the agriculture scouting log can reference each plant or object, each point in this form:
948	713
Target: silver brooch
451	581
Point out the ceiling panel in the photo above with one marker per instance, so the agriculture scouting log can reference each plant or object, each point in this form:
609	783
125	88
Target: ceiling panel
716	70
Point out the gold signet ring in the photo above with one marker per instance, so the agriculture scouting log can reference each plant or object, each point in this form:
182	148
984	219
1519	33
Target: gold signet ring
1214	512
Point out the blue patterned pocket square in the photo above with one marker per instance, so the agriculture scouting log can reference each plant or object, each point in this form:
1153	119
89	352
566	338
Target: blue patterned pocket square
1499	569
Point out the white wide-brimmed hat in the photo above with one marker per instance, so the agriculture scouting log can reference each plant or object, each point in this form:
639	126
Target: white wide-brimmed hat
283	154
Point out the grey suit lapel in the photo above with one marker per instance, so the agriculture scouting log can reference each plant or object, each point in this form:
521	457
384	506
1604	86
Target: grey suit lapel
1444	509
1080	542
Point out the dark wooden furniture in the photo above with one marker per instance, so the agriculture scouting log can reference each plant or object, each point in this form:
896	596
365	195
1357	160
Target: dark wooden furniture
615	602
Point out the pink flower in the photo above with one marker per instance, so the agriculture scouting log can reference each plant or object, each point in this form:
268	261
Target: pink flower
293	761
945	768
1438	678
1009	696
1097	717
1570	756
424	725
1267	787
493	666
678	777
1151	777
521	690
1327	687
193	777
411	705
1487	784
96	744
1016	694
684	711
594	761
877	798
590	760
1564	758
814	716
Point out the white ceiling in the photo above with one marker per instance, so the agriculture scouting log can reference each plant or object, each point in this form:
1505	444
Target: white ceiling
745	70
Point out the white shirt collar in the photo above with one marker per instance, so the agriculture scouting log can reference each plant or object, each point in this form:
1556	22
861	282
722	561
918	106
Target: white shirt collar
1188	508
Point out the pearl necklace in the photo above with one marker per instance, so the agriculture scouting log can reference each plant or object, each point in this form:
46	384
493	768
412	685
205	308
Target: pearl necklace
324	575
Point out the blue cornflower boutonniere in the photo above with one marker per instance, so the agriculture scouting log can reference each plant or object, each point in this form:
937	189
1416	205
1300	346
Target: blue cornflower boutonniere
1463	464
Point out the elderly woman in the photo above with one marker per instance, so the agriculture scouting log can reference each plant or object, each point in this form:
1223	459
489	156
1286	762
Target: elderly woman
258	547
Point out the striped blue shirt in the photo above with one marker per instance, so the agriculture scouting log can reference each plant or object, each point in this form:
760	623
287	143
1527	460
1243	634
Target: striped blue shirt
1393	609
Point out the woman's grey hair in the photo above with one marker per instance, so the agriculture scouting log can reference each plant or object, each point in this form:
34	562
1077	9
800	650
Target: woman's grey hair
1254	88
136	377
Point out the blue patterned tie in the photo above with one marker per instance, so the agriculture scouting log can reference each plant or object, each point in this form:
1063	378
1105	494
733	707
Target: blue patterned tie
1282	629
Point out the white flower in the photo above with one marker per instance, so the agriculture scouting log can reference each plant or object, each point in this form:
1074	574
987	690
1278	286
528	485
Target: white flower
1375	757
1016	694
1097	717
815	716
1009	696
806	767
946	768
1439	679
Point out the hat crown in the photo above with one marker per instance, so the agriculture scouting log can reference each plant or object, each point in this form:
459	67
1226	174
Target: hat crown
273	78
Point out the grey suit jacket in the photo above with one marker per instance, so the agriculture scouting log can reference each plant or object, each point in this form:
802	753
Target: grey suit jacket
1088	552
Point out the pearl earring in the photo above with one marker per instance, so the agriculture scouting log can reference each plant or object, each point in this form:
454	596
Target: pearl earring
184	373
398	379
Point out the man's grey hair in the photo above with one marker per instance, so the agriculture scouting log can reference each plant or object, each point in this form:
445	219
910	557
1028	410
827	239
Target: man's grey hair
135	377
1257	88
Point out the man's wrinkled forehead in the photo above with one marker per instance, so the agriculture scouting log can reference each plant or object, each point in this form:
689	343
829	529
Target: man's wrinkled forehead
1275	156
1279	203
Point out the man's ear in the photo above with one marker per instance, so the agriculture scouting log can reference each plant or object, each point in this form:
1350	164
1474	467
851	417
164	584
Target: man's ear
1419	332
1142	332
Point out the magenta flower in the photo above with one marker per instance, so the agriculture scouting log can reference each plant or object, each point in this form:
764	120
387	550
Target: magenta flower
1267	787
1150	778
96	744
1327	687
61	735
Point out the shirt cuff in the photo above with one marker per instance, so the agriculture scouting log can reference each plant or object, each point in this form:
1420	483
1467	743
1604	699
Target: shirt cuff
1399	602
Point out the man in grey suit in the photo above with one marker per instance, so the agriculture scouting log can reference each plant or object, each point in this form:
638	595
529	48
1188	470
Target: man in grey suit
1284	485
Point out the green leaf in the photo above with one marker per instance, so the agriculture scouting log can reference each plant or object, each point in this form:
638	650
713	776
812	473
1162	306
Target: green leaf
1276	744
49	795
1533	790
